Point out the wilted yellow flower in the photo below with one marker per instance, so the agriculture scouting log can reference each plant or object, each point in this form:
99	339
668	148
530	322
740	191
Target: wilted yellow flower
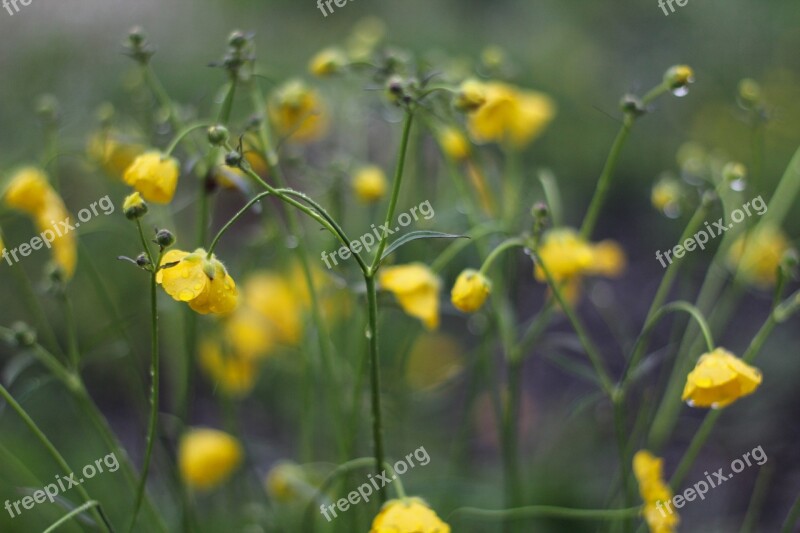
286	482
471	95
719	379
273	297
408	515
249	334
511	115
208	457
201	282
234	374
758	254
369	183
29	191
666	196
298	112
454	143
416	287
655	493
470	291
113	152
155	175
433	360
327	62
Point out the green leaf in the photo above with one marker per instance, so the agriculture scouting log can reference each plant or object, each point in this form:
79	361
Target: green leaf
416	235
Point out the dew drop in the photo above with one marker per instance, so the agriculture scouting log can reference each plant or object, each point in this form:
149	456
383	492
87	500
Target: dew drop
680	92
185	295
738	185
368	333
292	242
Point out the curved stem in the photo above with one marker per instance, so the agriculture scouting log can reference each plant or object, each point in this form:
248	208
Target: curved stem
234	218
398	179
51	449
72	514
152	429
515	242
455	247
182	134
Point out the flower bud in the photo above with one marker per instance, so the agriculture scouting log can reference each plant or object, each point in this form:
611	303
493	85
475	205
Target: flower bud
233	159
142	260
470	291
47	108
136	35
749	92
164	238
218	135
734	171
632	104
134	207
540	211
237	39
327	62
679	76
24	335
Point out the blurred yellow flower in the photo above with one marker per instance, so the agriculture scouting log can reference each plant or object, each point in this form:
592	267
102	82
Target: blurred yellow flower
433	360
454	144
367	33
298	112
29	191
155	175
719	379
273	297
511	115
285	482
201	282
679	76
416	287
471	95
655	493
234	374
327	62
666	196
369	183
208	457
249	334
408	515
758	254
470	291
110	150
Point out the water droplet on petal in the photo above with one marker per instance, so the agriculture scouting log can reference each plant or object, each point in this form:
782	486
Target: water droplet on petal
680	92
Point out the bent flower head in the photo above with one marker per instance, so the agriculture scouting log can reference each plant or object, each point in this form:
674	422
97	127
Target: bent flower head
201	282
408	515
416	287
719	379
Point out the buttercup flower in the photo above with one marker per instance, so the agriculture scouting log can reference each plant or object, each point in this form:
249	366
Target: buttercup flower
327	62
471	95
719	379
30	191
416	287
208	457
470	291
248	334
758	254
113	152
654	492
286	482
201	282
155	175
511	115
274	298
666	196
408	515
298	112
454	143
234	374
370	183
568	258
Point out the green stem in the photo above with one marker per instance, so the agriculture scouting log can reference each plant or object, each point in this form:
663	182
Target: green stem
455	247
233	220
398	179
375	379
152	429
74	513
502	247
513	476
51	449
182	134
792	517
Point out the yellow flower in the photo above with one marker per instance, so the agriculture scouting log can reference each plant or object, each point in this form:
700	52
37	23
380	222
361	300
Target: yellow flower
471	95
273	298
134	207
369	183
234	374
470	291
327	62
248	334
433	360
286	482
511	115
679	76
29	191
201	282
655	493
719	379
666	196
298	112
758	255
208	457
113	152
454	143
155	175
416	287
408	515
367	33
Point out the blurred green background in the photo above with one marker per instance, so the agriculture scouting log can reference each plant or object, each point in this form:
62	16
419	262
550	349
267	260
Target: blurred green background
586	55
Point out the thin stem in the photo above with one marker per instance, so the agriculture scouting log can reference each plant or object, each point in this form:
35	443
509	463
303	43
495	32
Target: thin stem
182	134
502	247
51	449
152	429
455	247
233	220
792	517
72	514
514	496
375	381
398	179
